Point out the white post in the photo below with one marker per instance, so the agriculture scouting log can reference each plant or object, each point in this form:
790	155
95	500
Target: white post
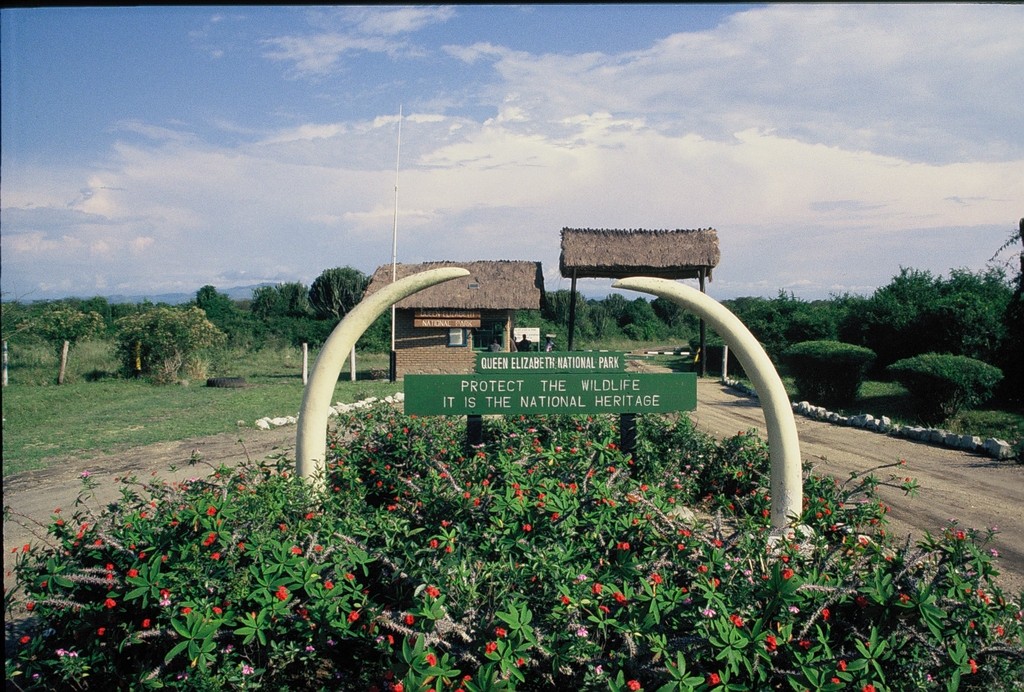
5	363
783	442
305	363
725	363
352	364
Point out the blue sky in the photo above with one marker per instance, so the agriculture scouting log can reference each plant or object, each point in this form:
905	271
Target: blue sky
156	150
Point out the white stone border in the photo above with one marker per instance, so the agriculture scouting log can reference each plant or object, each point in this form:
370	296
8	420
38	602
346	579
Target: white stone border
267	422
993	447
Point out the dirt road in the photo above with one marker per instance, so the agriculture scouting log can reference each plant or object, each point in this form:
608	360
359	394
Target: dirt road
976	490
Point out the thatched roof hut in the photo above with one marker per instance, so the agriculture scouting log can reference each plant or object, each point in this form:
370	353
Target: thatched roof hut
491	285
604	253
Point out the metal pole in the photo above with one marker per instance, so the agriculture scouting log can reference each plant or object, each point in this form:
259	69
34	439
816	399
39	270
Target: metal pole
5	363
394	254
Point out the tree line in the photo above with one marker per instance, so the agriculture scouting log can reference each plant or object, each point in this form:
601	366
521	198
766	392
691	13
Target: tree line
975	314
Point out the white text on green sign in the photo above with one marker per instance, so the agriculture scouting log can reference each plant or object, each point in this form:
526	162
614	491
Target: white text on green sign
563	393
550	362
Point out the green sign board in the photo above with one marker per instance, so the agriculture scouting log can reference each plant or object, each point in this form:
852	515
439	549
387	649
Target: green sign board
526	362
568	393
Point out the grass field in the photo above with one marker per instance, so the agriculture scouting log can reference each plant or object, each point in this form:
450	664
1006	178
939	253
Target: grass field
85	418
97	412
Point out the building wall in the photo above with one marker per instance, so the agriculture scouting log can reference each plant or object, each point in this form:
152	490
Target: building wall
422	350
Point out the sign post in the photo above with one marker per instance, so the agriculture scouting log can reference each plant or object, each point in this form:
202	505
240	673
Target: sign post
550	383
550	393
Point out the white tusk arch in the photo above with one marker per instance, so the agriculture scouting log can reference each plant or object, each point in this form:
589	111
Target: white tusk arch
783	443
311	439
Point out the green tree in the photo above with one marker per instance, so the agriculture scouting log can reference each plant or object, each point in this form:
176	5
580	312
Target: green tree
336	291
218	307
282	300
63	326
166	342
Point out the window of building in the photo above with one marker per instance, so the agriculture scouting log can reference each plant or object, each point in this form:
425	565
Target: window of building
456	337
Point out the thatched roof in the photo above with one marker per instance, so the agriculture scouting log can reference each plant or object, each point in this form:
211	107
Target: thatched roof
504	285
603	253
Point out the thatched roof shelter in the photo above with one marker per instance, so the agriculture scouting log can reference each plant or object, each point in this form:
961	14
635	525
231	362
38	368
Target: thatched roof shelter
604	253
491	285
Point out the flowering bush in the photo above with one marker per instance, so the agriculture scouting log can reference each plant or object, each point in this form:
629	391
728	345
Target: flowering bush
544	559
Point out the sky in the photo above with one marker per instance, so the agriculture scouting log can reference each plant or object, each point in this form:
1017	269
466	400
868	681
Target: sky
160	149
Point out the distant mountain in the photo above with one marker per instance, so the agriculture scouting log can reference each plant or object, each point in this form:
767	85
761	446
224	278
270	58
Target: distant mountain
235	293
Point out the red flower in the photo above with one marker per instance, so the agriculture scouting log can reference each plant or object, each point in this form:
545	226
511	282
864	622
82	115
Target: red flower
433	591
133	572
186	610
620	598
328	584
217	610
210	539
296	550
101	631
868	688
211	510
410	620
974	665
555	516
736	620
825	614
281	593
596	588
565	600
633	685
25	639
431	659
146	624
433	544
771	644
622	545
353	616
656	578
714	679
527	528
787	573
490	647
110	603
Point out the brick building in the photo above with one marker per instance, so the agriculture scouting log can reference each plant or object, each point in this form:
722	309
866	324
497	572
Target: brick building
439	329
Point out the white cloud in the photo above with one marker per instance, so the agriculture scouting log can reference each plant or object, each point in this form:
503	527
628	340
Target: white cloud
828	144
399	20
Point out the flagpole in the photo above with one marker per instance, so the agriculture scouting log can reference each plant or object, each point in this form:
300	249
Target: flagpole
394	248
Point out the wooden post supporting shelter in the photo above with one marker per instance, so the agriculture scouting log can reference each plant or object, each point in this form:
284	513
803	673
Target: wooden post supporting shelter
572	314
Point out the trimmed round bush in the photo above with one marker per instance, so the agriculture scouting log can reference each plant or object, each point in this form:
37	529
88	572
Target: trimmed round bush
828	373
942	385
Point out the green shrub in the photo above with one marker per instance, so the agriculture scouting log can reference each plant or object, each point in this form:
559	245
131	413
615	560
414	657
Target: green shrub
544	559
828	373
942	385
166	343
